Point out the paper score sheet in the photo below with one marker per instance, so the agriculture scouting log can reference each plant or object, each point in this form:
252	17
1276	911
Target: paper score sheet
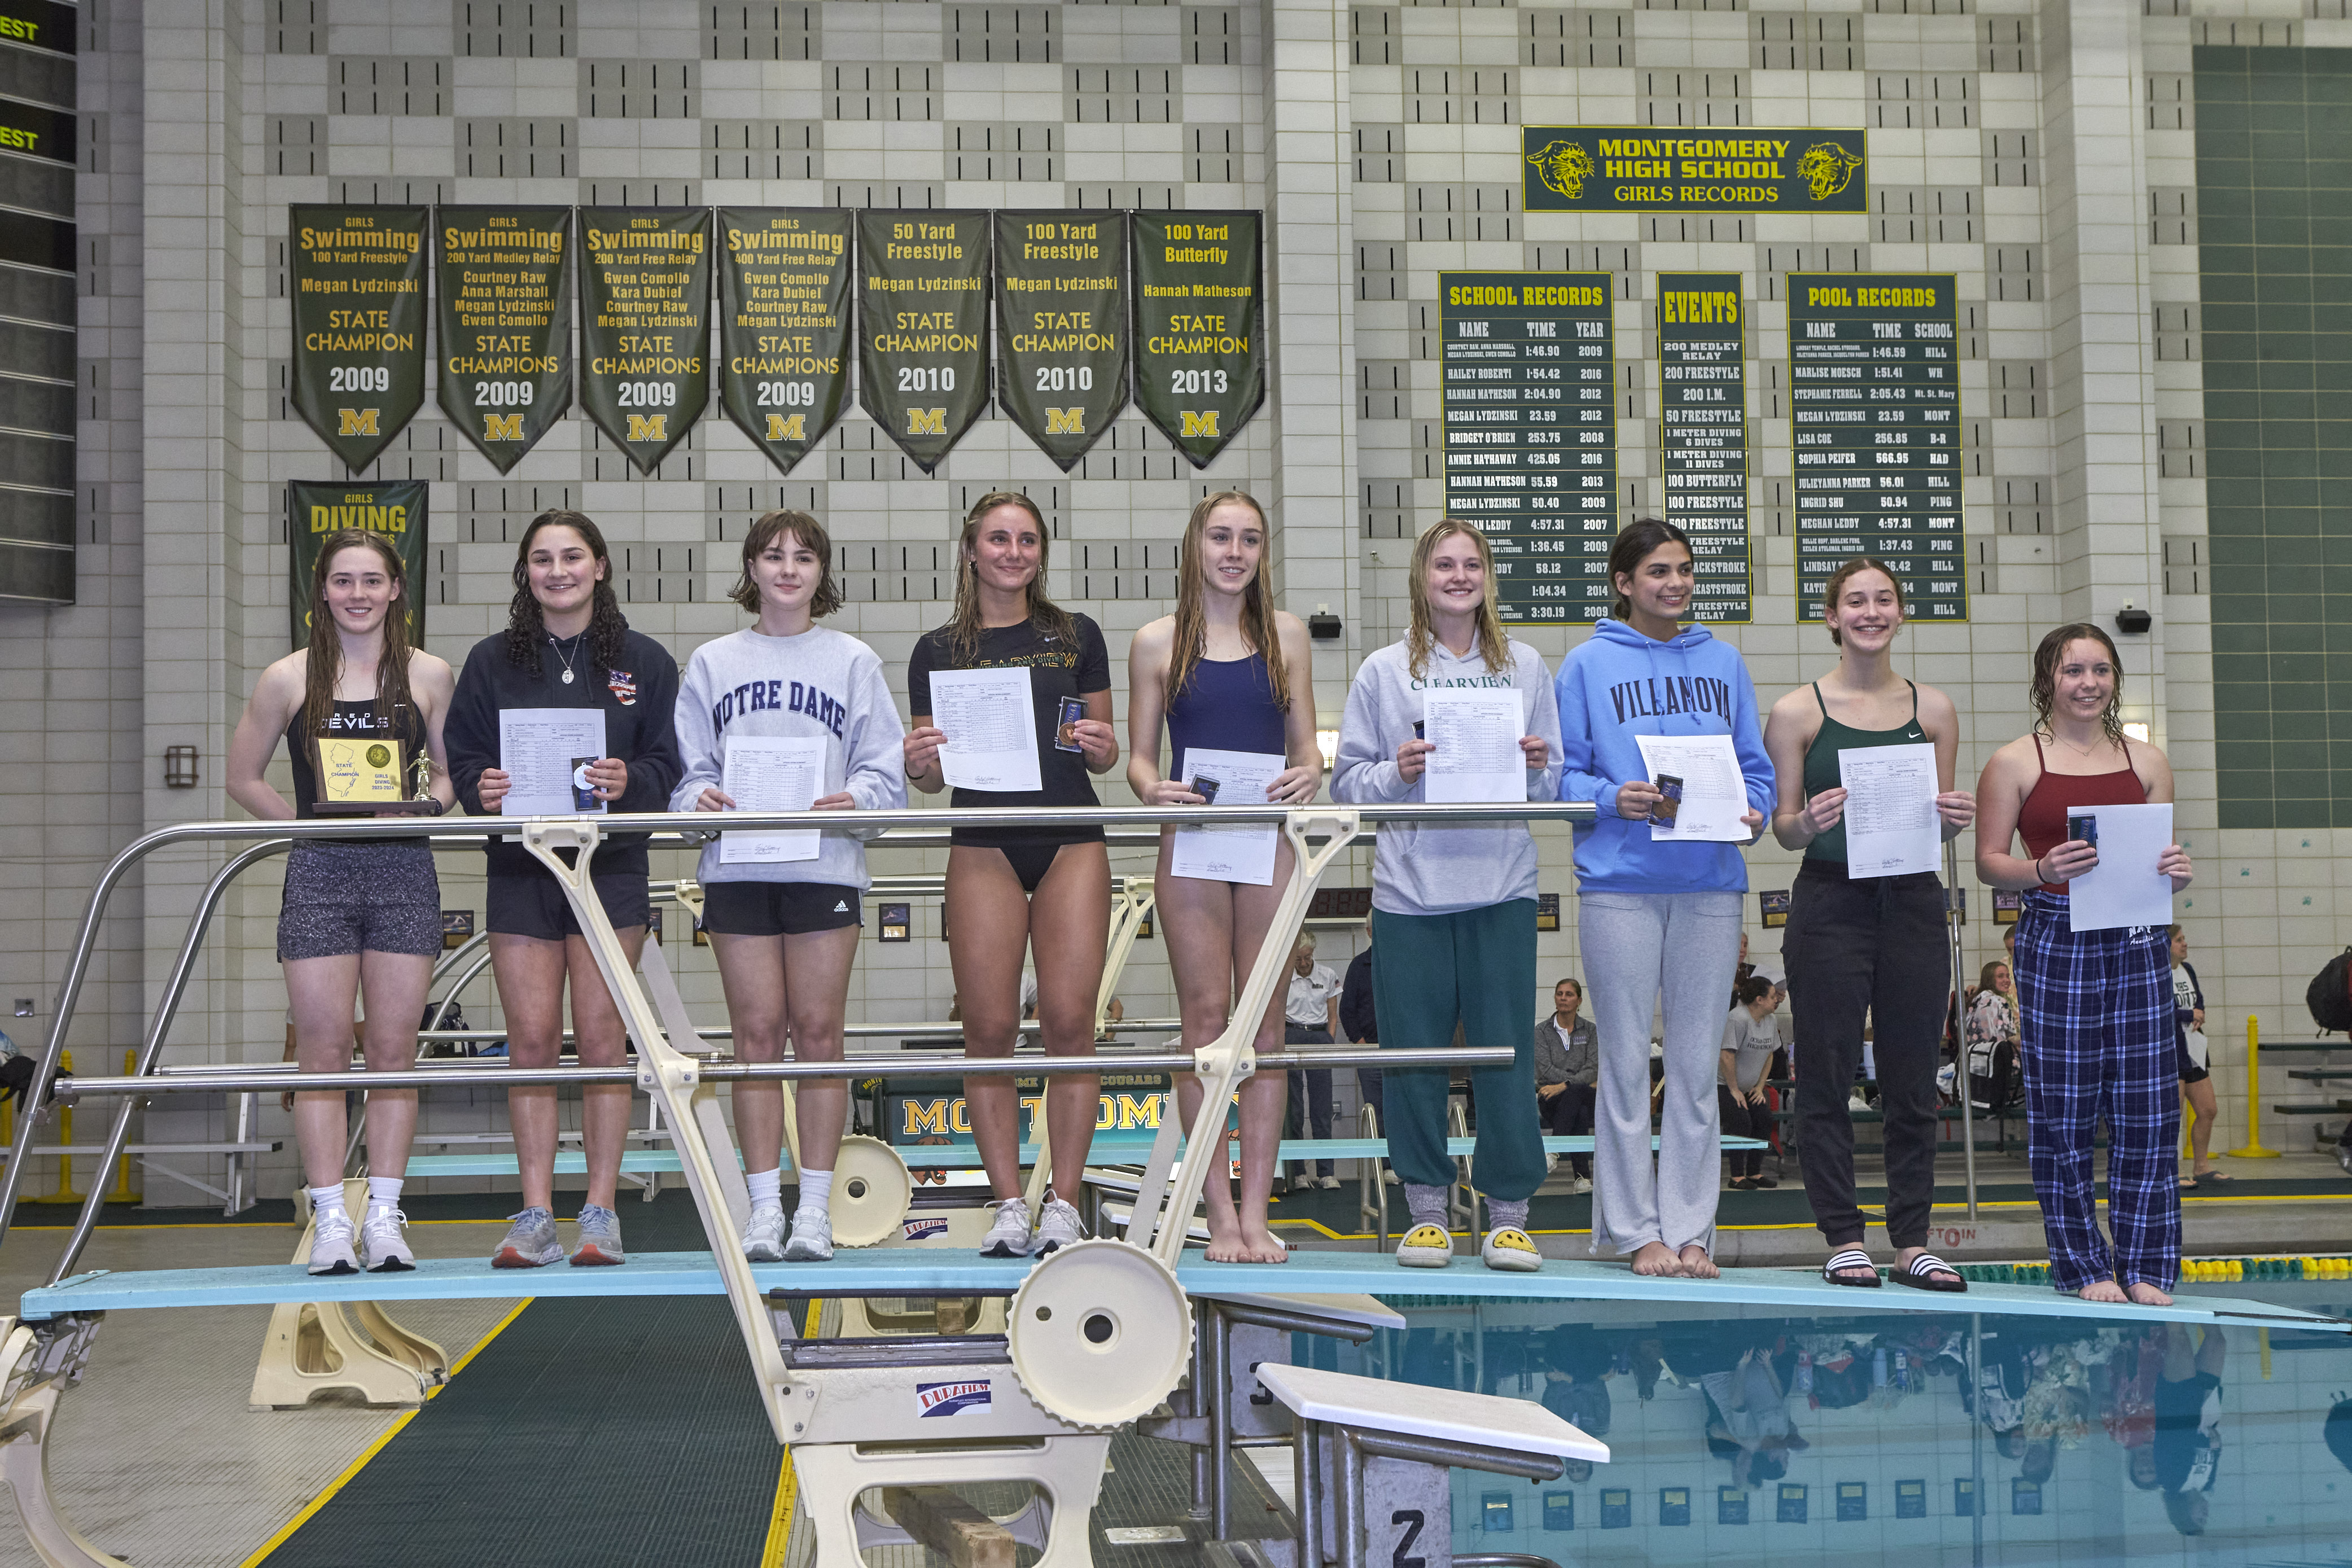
1476	731
771	772
1242	852
538	748
1714	798
1891	826
990	724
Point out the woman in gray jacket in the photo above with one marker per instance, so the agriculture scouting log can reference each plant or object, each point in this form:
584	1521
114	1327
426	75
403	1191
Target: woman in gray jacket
1568	1061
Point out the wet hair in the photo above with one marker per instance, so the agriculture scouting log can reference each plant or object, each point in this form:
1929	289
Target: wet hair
1191	642
1492	644
1752	990
1845	573
1634	544
526	623
963	625
811	534
2052	653
324	666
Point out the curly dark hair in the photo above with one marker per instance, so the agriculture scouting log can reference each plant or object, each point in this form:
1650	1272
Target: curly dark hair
527	626
2043	692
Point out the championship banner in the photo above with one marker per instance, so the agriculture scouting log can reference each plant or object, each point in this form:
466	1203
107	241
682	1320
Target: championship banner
357	277
1061	325
922	327
503	304
645	325
394	510
1616	169
783	324
1199	358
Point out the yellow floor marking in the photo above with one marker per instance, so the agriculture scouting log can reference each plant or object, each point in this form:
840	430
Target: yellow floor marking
373	1450
788	1485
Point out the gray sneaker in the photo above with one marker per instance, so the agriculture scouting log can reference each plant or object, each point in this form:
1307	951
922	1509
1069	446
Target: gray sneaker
331	1244
1057	1225
600	1237
764	1234
1008	1234
384	1243
529	1242
812	1239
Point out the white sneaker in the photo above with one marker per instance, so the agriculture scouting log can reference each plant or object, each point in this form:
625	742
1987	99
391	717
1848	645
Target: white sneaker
812	1239
331	1244
382	1247
1582	1185
1330	1184
1392	1179
1009	1236
1854	1101
764	1234
1057	1225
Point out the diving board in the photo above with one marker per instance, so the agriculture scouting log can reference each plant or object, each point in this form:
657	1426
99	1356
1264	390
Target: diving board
924	1271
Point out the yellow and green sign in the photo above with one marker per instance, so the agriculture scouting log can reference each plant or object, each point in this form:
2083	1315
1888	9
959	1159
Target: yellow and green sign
1611	168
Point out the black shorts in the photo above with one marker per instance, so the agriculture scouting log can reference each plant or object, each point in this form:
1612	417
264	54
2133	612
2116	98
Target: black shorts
2190	1071
780	908
351	896
533	905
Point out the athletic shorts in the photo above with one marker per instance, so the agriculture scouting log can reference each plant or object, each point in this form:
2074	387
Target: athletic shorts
780	908
349	897
2191	1070
534	905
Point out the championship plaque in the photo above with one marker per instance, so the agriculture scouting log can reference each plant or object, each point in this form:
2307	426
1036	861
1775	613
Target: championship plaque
360	777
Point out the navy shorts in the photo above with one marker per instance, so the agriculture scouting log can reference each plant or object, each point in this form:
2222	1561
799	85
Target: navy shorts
780	908
533	904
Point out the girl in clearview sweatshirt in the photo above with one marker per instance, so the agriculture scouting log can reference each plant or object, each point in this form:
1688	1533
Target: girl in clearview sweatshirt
1655	917
1452	902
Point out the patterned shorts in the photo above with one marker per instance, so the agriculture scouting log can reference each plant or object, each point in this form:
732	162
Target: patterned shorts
349	897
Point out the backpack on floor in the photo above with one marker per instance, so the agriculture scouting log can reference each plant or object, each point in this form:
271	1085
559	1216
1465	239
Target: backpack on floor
2330	995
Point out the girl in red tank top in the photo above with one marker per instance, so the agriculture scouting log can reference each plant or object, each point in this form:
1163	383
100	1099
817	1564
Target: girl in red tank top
2097	1008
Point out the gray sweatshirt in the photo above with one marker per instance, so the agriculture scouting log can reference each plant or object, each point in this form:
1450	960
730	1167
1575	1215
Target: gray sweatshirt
1437	869
821	684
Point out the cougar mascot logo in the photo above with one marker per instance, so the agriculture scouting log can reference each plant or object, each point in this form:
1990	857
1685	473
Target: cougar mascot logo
1827	168
1564	166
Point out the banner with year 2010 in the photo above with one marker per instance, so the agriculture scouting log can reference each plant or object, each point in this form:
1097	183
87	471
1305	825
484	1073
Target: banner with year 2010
394	510
645	325
356	275
1061	326
783	324
922	327
503	304
1199	356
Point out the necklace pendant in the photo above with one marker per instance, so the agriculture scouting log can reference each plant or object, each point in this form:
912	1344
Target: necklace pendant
567	677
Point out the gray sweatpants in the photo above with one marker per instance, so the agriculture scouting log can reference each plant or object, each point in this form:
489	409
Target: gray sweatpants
1636	946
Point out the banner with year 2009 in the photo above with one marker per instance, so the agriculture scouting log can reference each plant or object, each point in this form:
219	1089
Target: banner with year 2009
503	305
922	327
645	325
1061	326
783	324
357	278
1199	357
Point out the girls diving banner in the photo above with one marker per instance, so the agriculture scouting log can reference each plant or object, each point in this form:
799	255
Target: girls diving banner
394	510
1061	326
783	324
1199	356
645	325
922	327
357	277
503	303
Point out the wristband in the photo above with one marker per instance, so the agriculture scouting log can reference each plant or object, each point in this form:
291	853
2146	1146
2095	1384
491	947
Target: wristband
2039	875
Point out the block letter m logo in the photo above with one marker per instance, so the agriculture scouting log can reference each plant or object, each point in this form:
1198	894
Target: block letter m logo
648	428
781	429
1200	423
1066	422
502	427
926	421
356	422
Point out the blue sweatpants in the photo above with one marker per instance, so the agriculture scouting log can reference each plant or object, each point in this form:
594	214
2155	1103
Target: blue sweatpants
2097	1044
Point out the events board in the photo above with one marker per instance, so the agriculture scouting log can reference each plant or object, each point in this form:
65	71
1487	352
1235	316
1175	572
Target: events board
1875	409
1702	433
1531	433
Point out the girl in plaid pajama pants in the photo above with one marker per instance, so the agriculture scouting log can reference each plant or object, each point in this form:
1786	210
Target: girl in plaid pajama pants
2096	1042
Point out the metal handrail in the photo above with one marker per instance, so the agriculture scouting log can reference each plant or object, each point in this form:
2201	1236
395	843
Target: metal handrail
920	829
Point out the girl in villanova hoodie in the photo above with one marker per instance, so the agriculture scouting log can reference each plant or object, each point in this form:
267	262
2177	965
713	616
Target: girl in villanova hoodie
1655	917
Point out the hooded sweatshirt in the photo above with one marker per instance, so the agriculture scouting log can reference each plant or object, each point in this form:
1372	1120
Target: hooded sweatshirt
1436	867
1618	684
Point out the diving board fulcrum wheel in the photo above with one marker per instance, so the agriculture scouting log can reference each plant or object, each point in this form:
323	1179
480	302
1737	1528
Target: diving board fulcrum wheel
1101	1332
871	1190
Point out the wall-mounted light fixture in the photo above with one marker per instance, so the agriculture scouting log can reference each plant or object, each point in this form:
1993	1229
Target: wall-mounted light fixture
2133	622
1327	743
179	767
1323	625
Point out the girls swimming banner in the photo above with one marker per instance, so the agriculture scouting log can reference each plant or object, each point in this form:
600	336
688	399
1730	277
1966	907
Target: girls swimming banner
503	305
1199	355
356	275
783	324
1061	326
394	510
645	325
922	327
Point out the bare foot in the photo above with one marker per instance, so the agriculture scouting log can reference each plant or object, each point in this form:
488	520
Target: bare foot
1698	1265
1655	1260
1227	1244
1260	1244
2103	1291
2147	1295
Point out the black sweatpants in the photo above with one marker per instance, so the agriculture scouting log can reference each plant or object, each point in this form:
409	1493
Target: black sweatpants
1878	947
1566	1115
1741	1119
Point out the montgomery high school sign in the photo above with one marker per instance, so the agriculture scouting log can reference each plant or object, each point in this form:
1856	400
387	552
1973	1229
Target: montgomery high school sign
1600	169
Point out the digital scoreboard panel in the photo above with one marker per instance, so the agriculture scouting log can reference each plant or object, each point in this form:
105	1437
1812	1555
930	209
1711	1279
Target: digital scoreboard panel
1702	433
1530	432
1874	402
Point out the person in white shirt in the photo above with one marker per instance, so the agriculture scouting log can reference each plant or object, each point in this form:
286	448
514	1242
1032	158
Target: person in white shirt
1310	1017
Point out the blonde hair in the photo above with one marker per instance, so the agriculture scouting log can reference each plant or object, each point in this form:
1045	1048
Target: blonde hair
1491	643
1191	638
963	625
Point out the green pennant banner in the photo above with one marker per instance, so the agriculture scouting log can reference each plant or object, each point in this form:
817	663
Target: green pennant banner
1200	355
922	327
783	324
645	325
356	275
503	304
1061	326
394	510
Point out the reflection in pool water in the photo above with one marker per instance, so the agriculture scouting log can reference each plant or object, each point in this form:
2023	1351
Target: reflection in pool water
1926	1437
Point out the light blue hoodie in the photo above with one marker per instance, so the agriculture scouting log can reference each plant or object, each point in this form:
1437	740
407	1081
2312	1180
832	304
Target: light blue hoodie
1618	684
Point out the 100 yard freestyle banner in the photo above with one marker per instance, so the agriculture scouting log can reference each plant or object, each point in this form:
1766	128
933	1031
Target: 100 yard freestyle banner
395	510
504	303
1061	326
922	327
645	325
783	324
357	277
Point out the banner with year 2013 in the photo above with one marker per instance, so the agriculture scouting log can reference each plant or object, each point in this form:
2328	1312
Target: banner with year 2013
645	325
503	304
922	327
394	510
1199	356
783	324
357	278
1061	326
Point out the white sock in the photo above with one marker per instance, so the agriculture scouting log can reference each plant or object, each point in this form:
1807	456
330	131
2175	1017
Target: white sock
383	1192
327	1200
765	1186
816	1190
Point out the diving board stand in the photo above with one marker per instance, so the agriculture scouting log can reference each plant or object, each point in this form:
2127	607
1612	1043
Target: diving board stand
309	1347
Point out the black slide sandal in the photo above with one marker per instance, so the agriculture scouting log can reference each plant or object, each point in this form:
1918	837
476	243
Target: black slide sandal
1851	1258
1921	1275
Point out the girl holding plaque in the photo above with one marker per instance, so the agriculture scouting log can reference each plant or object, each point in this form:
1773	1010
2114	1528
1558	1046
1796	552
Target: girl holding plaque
566	646
359	707
2097	1038
787	715
1233	677
1011	891
1872	946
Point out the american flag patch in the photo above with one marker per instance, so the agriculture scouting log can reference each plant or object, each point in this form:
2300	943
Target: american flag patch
624	688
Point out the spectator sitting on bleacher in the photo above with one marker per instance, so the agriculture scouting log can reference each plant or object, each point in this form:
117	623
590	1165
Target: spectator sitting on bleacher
1360	1026
1992	1038
1749	1041
1568	1065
